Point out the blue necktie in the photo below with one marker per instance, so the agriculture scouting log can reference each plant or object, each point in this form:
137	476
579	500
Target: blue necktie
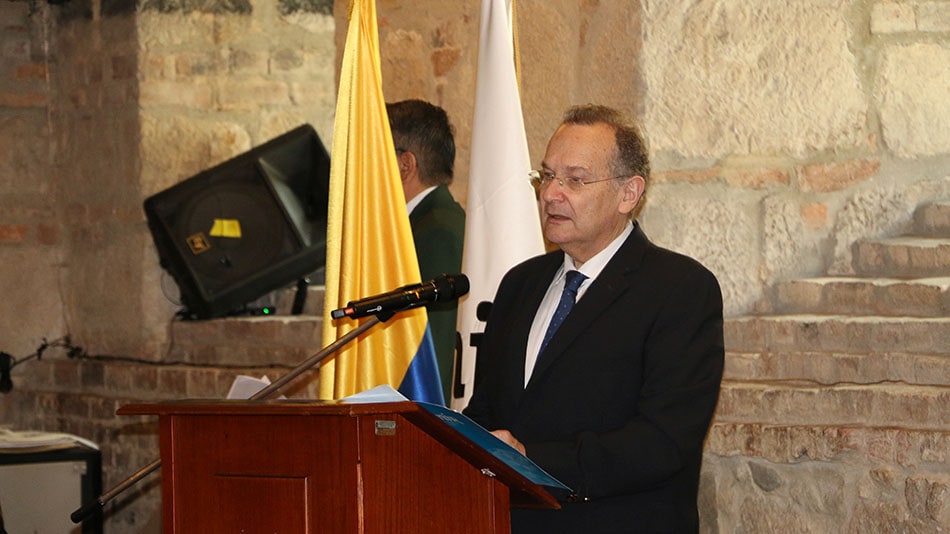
573	280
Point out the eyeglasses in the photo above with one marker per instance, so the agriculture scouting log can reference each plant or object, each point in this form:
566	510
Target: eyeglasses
543	178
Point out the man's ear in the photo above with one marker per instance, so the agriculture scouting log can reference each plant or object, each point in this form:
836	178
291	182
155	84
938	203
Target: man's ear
632	192
407	164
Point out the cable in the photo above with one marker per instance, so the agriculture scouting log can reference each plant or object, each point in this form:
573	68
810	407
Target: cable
8	362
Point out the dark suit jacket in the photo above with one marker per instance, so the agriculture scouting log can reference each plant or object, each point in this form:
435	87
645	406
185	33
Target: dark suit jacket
438	228
620	400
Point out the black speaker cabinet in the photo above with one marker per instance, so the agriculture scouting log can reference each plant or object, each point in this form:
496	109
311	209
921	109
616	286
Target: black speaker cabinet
246	227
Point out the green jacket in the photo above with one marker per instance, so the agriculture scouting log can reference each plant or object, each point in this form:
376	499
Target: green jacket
438	229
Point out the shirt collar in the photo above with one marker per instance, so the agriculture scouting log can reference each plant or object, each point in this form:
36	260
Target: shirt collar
593	266
411	205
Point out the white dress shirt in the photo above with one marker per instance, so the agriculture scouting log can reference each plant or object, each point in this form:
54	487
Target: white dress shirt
550	301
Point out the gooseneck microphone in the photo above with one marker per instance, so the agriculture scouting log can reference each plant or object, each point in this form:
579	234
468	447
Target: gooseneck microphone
442	288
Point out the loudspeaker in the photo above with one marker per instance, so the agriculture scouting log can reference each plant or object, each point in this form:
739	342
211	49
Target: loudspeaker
248	226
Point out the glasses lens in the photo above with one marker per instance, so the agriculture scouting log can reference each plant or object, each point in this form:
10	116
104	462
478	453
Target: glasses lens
574	183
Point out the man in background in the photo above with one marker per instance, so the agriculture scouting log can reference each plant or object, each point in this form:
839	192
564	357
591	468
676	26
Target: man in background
425	150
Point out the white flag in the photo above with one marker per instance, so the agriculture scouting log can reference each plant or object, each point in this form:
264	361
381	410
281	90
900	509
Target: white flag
502	227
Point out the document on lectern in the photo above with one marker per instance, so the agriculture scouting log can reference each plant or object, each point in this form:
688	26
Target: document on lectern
382	393
498	448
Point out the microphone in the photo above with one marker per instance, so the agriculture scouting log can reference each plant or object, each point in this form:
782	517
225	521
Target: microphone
442	288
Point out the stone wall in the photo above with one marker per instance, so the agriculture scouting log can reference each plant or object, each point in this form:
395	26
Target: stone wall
786	131
782	133
31	240
776	128
106	105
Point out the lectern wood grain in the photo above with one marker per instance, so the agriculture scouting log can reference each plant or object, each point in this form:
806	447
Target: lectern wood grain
311	467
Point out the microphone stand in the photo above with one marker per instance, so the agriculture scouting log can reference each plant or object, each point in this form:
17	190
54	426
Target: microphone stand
88	509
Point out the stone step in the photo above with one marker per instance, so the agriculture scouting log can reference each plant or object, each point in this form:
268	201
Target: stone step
787	443
924	297
279	340
839	367
903	257
933	219
838	333
884	404
123	382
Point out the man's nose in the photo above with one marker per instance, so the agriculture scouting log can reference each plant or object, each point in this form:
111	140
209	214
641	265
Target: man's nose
553	190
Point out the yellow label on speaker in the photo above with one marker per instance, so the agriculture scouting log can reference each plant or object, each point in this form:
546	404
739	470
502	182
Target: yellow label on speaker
226	228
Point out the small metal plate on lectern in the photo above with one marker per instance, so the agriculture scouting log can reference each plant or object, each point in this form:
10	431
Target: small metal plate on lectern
385	427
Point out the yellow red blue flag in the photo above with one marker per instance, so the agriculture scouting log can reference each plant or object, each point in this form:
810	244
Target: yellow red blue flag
370	248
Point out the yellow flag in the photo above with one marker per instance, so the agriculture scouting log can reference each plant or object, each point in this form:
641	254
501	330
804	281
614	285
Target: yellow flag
370	248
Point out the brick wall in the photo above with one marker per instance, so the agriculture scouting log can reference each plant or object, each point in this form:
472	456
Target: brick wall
31	238
101	105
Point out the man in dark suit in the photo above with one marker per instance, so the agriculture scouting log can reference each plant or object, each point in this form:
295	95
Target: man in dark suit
425	148
617	404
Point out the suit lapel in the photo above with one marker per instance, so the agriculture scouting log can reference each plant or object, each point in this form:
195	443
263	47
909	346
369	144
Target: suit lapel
535	288
516	321
612	282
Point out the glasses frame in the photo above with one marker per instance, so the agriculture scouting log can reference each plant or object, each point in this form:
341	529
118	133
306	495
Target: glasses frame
539	180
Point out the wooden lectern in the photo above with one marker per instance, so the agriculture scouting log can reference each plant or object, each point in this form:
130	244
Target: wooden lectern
328	467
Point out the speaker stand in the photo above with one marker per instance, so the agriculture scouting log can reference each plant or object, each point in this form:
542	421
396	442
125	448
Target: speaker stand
300	298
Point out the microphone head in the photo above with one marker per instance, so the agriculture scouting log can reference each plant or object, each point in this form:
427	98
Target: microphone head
450	286
461	285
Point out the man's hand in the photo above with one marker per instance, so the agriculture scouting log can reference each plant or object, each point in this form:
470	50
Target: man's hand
506	436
